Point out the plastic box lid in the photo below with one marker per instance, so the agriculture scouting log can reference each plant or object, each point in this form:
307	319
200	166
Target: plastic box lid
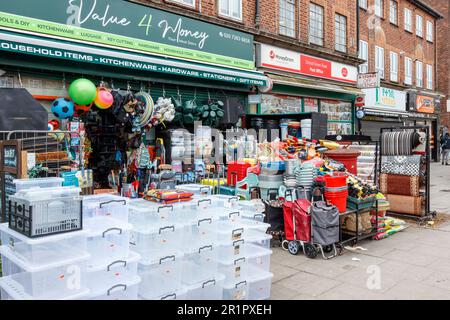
135	281
43	194
132	258
37	183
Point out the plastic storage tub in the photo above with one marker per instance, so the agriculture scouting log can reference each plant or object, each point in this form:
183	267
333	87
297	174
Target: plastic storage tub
49	280
258	257
122	291
231	251
110	274
227	231
23	184
196	189
43	250
104	205
259	285
160	276
143	212
41	212
10	289
234	270
109	242
236	291
158	240
199	265
211	289
262	240
175	295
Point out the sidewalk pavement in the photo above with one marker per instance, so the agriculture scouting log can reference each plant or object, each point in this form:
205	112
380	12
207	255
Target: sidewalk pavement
413	264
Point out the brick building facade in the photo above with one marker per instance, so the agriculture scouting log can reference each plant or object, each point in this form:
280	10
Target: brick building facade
443	63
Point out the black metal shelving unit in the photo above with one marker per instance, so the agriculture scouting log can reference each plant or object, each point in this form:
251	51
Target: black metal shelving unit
427	214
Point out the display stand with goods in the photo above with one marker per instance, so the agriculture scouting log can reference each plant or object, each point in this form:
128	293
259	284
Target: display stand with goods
405	173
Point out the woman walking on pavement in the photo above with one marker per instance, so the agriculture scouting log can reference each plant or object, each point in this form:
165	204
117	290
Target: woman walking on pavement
445	144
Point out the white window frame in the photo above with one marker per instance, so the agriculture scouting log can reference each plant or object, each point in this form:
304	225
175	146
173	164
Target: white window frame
408	19
419	74
363	4
429	77
378	8
230	11
379	61
393	58
364	54
408	71
313	31
419	25
186	3
430	30
340	34
393	19
287	21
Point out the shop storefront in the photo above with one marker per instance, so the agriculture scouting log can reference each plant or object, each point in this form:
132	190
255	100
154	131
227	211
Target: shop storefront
385	108
424	110
302	85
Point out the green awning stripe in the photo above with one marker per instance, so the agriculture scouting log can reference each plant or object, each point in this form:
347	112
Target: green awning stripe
55	49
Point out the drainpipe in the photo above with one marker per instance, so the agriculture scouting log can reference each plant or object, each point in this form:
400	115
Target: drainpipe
357	26
257	14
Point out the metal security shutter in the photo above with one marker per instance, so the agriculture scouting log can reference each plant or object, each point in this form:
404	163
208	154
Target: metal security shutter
372	128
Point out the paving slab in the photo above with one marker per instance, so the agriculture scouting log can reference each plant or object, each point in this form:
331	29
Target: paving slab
412	290
411	258
403	270
439	280
308	284
280	271
347	291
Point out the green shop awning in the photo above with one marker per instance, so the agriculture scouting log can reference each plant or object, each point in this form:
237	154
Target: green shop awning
62	50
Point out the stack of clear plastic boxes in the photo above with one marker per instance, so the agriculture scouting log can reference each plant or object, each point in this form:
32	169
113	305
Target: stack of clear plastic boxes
112	268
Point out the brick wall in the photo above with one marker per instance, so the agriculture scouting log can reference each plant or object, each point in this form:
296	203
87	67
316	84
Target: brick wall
268	30
396	39
443	47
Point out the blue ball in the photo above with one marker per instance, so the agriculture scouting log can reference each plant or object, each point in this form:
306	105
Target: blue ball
63	108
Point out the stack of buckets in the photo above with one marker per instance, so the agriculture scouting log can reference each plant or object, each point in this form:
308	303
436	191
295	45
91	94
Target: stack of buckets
336	190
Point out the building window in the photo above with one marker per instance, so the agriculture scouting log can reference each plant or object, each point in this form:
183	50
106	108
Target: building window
419	26
408	71
364	55
419	74
430	31
379	8
393	12
340	33
316	24
408	20
379	61
287	17
363	4
393	66
429	77
231	9
189	3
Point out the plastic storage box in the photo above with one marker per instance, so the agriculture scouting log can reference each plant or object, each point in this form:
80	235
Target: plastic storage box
104	205
43	250
47	281
236	291
227	231
196	189
179	294
211	289
143	212
122	291
41	212
116	272
258	257
158	240
259	285
199	265
10	289
231	251
234	270
109	242
23	184
160	276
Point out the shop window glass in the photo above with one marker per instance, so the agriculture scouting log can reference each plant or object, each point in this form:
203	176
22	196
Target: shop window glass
340	118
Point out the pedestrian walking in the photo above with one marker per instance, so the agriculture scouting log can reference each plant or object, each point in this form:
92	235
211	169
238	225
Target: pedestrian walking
445	143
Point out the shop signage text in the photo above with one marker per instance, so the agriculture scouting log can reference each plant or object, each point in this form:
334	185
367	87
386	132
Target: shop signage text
425	104
291	61
385	99
368	80
132	27
137	64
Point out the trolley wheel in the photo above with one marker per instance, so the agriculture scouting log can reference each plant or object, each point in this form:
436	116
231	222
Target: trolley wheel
310	250
285	245
327	249
293	247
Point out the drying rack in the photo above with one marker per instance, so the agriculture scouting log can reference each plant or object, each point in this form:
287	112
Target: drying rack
427	214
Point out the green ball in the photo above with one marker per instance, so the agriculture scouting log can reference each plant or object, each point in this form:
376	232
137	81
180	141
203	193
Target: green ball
82	91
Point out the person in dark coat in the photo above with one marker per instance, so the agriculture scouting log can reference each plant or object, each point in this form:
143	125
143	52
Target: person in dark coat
445	144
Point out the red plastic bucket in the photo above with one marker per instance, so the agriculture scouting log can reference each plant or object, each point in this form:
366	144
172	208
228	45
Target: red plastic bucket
336	181
339	199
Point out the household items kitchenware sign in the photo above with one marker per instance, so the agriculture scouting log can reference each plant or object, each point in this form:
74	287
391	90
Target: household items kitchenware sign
368	80
385	98
295	62
132	27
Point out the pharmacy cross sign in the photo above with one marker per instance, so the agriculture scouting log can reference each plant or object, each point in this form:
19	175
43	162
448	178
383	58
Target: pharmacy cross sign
130	26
